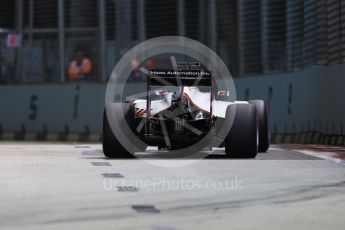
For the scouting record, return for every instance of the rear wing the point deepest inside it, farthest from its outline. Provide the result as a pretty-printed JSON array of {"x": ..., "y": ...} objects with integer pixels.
[
  {"x": 188, "y": 65},
  {"x": 180, "y": 77}
]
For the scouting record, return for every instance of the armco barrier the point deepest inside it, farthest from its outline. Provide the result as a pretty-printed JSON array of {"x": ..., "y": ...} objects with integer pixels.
[{"x": 299, "y": 102}]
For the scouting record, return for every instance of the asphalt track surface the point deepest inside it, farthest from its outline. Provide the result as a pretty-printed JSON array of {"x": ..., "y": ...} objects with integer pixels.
[{"x": 72, "y": 186}]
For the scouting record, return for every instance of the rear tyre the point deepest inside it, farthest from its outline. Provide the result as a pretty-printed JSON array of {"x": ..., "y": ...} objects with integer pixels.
[
  {"x": 264, "y": 133},
  {"x": 112, "y": 148},
  {"x": 242, "y": 139}
]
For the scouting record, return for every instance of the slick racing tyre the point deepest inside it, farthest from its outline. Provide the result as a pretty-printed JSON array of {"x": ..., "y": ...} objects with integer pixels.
[
  {"x": 242, "y": 139},
  {"x": 112, "y": 148},
  {"x": 264, "y": 133}
]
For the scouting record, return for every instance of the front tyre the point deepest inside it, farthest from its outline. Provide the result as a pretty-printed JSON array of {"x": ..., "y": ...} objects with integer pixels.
[{"x": 242, "y": 139}]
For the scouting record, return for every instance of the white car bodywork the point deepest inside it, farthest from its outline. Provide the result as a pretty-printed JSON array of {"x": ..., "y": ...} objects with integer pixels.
[{"x": 195, "y": 98}]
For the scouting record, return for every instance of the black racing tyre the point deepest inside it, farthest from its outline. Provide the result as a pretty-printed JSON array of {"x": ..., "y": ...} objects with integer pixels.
[
  {"x": 242, "y": 139},
  {"x": 264, "y": 132},
  {"x": 112, "y": 148}
]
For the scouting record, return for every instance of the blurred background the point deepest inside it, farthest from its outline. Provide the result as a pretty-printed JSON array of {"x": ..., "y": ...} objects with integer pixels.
[
  {"x": 289, "y": 53},
  {"x": 39, "y": 38}
]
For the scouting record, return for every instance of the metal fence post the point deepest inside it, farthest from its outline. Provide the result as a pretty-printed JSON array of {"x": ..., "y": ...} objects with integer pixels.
[
  {"x": 181, "y": 23},
  {"x": 202, "y": 21},
  {"x": 123, "y": 22},
  {"x": 19, "y": 30},
  {"x": 141, "y": 19},
  {"x": 181, "y": 18},
  {"x": 61, "y": 32},
  {"x": 102, "y": 40},
  {"x": 31, "y": 26},
  {"x": 213, "y": 25},
  {"x": 264, "y": 35},
  {"x": 240, "y": 37}
]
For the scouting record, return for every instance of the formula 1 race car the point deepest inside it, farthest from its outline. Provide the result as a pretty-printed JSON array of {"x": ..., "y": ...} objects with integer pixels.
[{"x": 180, "y": 110}]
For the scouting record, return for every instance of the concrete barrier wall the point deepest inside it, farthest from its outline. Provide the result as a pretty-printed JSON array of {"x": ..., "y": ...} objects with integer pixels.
[
  {"x": 302, "y": 101},
  {"x": 51, "y": 107},
  {"x": 309, "y": 100}
]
